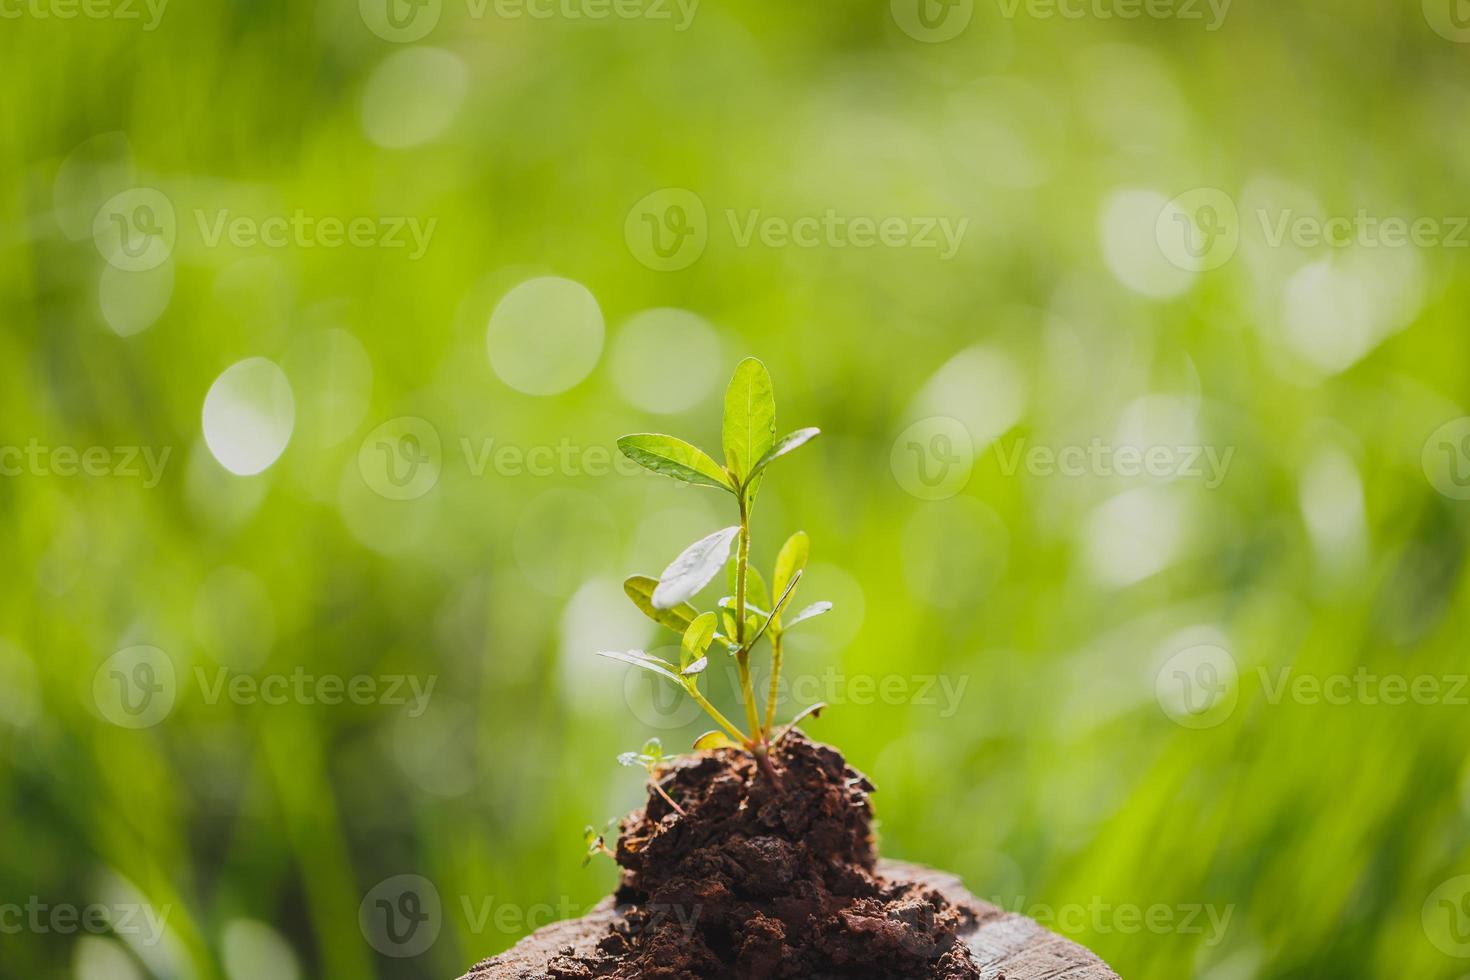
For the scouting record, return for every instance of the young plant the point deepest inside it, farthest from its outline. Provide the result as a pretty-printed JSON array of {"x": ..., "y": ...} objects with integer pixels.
[
  {"x": 752, "y": 611},
  {"x": 651, "y": 758}
]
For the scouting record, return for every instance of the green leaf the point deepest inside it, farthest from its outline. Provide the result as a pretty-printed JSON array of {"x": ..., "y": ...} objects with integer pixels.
[
  {"x": 674, "y": 457},
  {"x": 714, "y": 740},
  {"x": 791, "y": 560},
  {"x": 785, "y": 445},
  {"x": 810, "y": 612},
  {"x": 697, "y": 638},
  {"x": 647, "y": 661},
  {"x": 756, "y": 593},
  {"x": 750, "y": 417},
  {"x": 640, "y": 589},
  {"x": 694, "y": 568},
  {"x": 654, "y": 748}
]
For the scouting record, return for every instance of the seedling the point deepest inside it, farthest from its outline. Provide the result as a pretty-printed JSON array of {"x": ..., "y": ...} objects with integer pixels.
[
  {"x": 596, "y": 844},
  {"x": 752, "y": 611},
  {"x": 651, "y": 758}
]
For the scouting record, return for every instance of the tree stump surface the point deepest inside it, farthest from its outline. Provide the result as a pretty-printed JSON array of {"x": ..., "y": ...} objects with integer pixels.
[{"x": 1005, "y": 945}]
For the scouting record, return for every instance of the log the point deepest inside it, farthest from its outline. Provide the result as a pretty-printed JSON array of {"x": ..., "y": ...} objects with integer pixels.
[{"x": 1005, "y": 945}]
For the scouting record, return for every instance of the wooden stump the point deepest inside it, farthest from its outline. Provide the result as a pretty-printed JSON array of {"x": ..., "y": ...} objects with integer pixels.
[{"x": 1005, "y": 945}]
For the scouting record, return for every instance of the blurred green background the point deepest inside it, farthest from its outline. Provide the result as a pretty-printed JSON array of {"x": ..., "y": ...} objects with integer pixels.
[{"x": 381, "y": 465}]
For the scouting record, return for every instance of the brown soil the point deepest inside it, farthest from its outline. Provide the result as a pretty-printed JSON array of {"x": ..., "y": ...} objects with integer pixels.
[{"x": 762, "y": 881}]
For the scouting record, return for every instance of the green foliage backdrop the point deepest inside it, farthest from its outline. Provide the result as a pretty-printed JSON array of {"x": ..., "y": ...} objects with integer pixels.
[{"x": 1204, "y": 715}]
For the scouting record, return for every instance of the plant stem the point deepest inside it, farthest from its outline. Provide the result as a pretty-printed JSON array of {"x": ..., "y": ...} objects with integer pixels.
[
  {"x": 775, "y": 682},
  {"x": 714, "y": 713},
  {"x": 742, "y": 656},
  {"x": 653, "y": 782}
]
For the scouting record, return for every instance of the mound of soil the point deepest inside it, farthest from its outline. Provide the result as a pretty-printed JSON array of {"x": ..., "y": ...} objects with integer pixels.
[{"x": 762, "y": 880}]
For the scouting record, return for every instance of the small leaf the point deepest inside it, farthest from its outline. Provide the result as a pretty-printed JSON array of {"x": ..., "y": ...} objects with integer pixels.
[
  {"x": 640, "y": 589},
  {"x": 674, "y": 457},
  {"x": 784, "y": 445},
  {"x": 790, "y": 560},
  {"x": 694, "y": 568},
  {"x": 696, "y": 668},
  {"x": 810, "y": 612},
  {"x": 714, "y": 740},
  {"x": 653, "y": 748},
  {"x": 727, "y": 620},
  {"x": 648, "y": 662},
  {"x": 697, "y": 639},
  {"x": 629, "y": 759},
  {"x": 750, "y": 417},
  {"x": 756, "y": 593}
]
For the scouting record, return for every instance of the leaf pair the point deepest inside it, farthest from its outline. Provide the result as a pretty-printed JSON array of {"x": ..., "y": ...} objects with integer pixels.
[
  {"x": 790, "y": 564},
  {"x": 748, "y": 435}
]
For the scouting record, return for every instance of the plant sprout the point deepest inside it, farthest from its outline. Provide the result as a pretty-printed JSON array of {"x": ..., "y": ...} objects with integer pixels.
[
  {"x": 651, "y": 758},
  {"x": 752, "y": 611}
]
